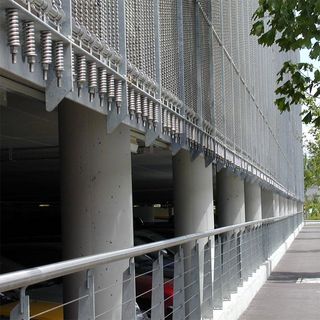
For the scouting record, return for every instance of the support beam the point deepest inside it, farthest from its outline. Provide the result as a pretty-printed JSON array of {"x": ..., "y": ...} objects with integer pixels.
[
  {"x": 253, "y": 208},
  {"x": 96, "y": 197},
  {"x": 230, "y": 199}
]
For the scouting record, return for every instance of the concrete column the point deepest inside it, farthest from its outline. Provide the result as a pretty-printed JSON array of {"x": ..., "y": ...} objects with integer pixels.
[
  {"x": 193, "y": 194},
  {"x": 253, "y": 208},
  {"x": 193, "y": 205},
  {"x": 230, "y": 199},
  {"x": 267, "y": 204},
  {"x": 300, "y": 206},
  {"x": 289, "y": 206},
  {"x": 276, "y": 205},
  {"x": 282, "y": 206},
  {"x": 295, "y": 207},
  {"x": 285, "y": 201},
  {"x": 96, "y": 200}
]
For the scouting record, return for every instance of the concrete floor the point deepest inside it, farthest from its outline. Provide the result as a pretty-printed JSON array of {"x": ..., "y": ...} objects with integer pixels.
[{"x": 293, "y": 289}]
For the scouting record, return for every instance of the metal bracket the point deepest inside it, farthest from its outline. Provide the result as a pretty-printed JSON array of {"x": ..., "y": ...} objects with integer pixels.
[
  {"x": 22, "y": 310},
  {"x": 86, "y": 306},
  {"x": 157, "y": 299},
  {"x": 152, "y": 135},
  {"x": 55, "y": 94},
  {"x": 129, "y": 292},
  {"x": 208, "y": 159}
]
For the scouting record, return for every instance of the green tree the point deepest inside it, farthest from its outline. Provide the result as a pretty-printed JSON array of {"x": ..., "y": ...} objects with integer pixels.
[
  {"x": 312, "y": 173},
  {"x": 293, "y": 25}
]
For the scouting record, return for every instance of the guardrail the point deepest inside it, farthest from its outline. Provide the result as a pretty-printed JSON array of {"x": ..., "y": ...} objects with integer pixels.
[{"x": 182, "y": 278}]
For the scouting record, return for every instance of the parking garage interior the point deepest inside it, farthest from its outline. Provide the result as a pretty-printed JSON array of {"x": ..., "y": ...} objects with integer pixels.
[{"x": 30, "y": 184}]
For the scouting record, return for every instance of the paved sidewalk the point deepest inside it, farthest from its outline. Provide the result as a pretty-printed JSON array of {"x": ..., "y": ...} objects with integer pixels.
[{"x": 292, "y": 291}]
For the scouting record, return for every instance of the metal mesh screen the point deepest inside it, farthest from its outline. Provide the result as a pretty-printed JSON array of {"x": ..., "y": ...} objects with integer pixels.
[
  {"x": 190, "y": 64},
  {"x": 206, "y": 57},
  {"x": 235, "y": 76},
  {"x": 140, "y": 35},
  {"x": 169, "y": 46},
  {"x": 100, "y": 18}
]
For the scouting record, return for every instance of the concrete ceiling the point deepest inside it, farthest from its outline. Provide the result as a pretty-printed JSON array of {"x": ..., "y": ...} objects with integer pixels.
[{"x": 30, "y": 156}]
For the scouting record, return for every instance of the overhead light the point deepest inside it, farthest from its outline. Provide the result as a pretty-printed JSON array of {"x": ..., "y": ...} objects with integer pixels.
[
  {"x": 134, "y": 147},
  {"x": 44, "y": 205}
]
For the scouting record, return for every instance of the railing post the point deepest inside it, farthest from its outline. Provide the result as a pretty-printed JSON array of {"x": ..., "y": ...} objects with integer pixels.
[
  {"x": 192, "y": 294},
  {"x": 207, "y": 304},
  {"x": 178, "y": 285},
  {"x": 225, "y": 267},
  {"x": 217, "y": 284},
  {"x": 233, "y": 264},
  {"x": 129, "y": 292},
  {"x": 86, "y": 306},
  {"x": 157, "y": 298},
  {"x": 22, "y": 310}
]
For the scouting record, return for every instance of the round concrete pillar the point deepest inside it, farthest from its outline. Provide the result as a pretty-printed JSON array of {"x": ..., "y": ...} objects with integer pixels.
[
  {"x": 193, "y": 194},
  {"x": 230, "y": 199},
  {"x": 252, "y": 193},
  {"x": 96, "y": 200},
  {"x": 267, "y": 204},
  {"x": 276, "y": 205},
  {"x": 193, "y": 207},
  {"x": 281, "y": 206}
]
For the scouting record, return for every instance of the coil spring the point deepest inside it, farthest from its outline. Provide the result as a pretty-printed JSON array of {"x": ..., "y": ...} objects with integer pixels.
[
  {"x": 13, "y": 32},
  {"x": 81, "y": 73},
  {"x": 156, "y": 115},
  {"x": 30, "y": 44},
  {"x": 150, "y": 111},
  {"x": 132, "y": 102},
  {"x": 46, "y": 54},
  {"x": 102, "y": 78},
  {"x": 111, "y": 87},
  {"x": 173, "y": 124},
  {"x": 73, "y": 67},
  {"x": 92, "y": 81},
  {"x": 138, "y": 106},
  {"x": 118, "y": 92},
  {"x": 180, "y": 126},
  {"x": 145, "y": 107},
  {"x": 164, "y": 119},
  {"x": 59, "y": 61},
  {"x": 169, "y": 121}
]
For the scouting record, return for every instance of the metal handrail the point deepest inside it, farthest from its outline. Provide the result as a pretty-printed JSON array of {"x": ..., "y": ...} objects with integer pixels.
[{"x": 25, "y": 278}]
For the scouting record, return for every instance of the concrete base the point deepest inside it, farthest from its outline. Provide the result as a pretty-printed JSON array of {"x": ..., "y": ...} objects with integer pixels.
[{"x": 240, "y": 301}]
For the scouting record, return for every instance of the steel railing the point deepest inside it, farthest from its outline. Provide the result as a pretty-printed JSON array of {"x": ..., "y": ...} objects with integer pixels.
[{"x": 204, "y": 269}]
